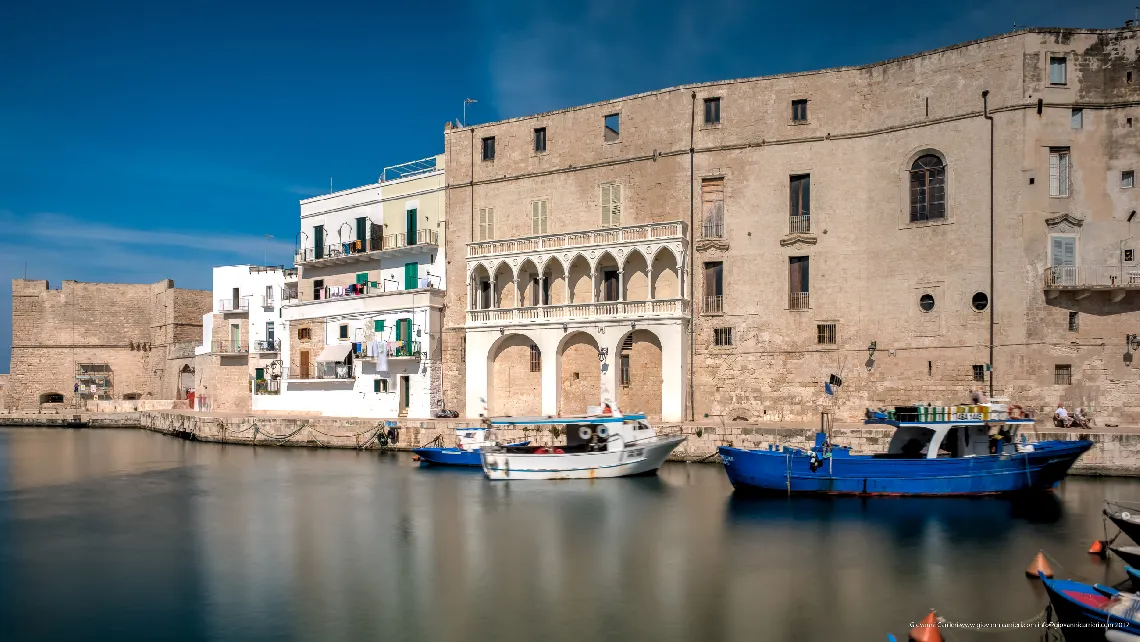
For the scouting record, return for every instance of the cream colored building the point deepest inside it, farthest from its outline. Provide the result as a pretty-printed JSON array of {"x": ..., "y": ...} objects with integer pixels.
[{"x": 721, "y": 250}]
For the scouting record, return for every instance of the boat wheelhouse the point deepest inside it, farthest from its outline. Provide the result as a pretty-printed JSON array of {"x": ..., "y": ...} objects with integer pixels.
[{"x": 595, "y": 446}]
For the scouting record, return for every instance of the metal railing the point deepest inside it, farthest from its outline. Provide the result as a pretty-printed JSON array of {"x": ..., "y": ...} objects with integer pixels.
[
  {"x": 607, "y": 236},
  {"x": 712, "y": 230},
  {"x": 799, "y": 224},
  {"x": 409, "y": 169},
  {"x": 407, "y": 349},
  {"x": 714, "y": 304},
  {"x": 319, "y": 370},
  {"x": 374, "y": 244},
  {"x": 799, "y": 301},
  {"x": 1092, "y": 276},
  {"x": 574, "y": 311},
  {"x": 229, "y": 305},
  {"x": 267, "y": 345},
  {"x": 267, "y": 387},
  {"x": 290, "y": 293},
  {"x": 229, "y": 347},
  {"x": 268, "y": 301}
]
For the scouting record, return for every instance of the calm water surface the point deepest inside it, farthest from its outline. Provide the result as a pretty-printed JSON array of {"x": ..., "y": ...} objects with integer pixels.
[{"x": 129, "y": 535}]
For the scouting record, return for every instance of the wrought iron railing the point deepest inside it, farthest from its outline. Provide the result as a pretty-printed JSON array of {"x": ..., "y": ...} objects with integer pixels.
[
  {"x": 799, "y": 301},
  {"x": 229, "y": 305},
  {"x": 1092, "y": 276},
  {"x": 267, "y": 387},
  {"x": 229, "y": 347},
  {"x": 267, "y": 345},
  {"x": 799, "y": 224},
  {"x": 712, "y": 230},
  {"x": 714, "y": 304}
]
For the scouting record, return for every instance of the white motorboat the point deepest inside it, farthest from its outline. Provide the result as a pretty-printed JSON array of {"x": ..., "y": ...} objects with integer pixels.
[{"x": 596, "y": 446}]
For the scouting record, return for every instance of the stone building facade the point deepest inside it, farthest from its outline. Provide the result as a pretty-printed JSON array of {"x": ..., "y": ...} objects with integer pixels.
[
  {"x": 102, "y": 341},
  {"x": 834, "y": 222}
]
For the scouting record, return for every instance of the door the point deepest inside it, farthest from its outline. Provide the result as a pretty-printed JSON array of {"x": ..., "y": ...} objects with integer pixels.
[
  {"x": 609, "y": 285},
  {"x": 235, "y": 337},
  {"x": 269, "y": 333},
  {"x": 405, "y": 394},
  {"x": 404, "y": 333},
  {"x": 236, "y": 299},
  {"x": 1063, "y": 260},
  {"x": 412, "y": 229},
  {"x": 319, "y": 242},
  {"x": 259, "y": 374},
  {"x": 484, "y": 295},
  {"x": 304, "y": 365},
  {"x": 411, "y": 276}
]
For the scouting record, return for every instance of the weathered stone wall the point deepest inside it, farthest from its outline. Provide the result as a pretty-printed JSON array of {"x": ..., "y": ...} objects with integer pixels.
[
  {"x": 869, "y": 264},
  {"x": 644, "y": 390},
  {"x": 517, "y": 391},
  {"x": 222, "y": 383},
  {"x": 580, "y": 375},
  {"x": 144, "y": 332}
]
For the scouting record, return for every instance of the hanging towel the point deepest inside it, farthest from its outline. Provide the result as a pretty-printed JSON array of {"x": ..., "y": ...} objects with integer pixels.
[{"x": 382, "y": 359}]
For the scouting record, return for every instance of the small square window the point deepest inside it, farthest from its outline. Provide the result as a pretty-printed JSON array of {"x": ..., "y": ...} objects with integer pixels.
[
  {"x": 304, "y": 334},
  {"x": 825, "y": 334},
  {"x": 799, "y": 111},
  {"x": 535, "y": 359},
  {"x": 613, "y": 128},
  {"x": 489, "y": 148},
  {"x": 1127, "y": 178},
  {"x": 1063, "y": 375},
  {"x": 343, "y": 332},
  {"x": 1078, "y": 119},
  {"x": 1128, "y": 77},
  {"x": 540, "y": 140},
  {"x": 979, "y": 372},
  {"x": 380, "y": 385},
  {"x": 1128, "y": 122},
  {"x": 712, "y": 111},
  {"x": 722, "y": 336},
  {"x": 1074, "y": 321},
  {"x": 1057, "y": 70}
]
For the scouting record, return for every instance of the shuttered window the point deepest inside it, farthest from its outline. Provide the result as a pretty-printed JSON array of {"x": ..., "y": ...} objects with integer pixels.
[
  {"x": 712, "y": 208},
  {"x": 611, "y": 205},
  {"x": 486, "y": 224},
  {"x": 1064, "y": 251},
  {"x": 411, "y": 276},
  {"x": 538, "y": 212},
  {"x": 1059, "y": 171}
]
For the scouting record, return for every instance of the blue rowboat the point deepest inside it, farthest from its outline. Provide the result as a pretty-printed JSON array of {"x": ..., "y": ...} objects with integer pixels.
[
  {"x": 470, "y": 442},
  {"x": 1133, "y": 574},
  {"x": 1095, "y": 612},
  {"x": 947, "y": 456}
]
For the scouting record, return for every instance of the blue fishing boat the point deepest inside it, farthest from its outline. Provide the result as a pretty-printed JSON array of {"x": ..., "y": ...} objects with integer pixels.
[
  {"x": 958, "y": 450},
  {"x": 1133, "y": 574},
  {"x": 1093, "y": 612},
  {"x": 467, "y": 451}
]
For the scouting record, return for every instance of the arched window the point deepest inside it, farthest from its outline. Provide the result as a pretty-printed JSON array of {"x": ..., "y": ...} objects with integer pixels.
[{"x": 927, "y": 189}]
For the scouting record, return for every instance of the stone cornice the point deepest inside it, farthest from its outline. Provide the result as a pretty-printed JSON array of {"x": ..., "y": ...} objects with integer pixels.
[{"x": 798, "y": 239}]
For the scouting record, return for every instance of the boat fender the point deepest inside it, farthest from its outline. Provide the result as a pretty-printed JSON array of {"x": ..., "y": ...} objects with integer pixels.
[
  {"x": 584, "y": 432},
  {"x": 559, "y": 451},
  {"x": 541, "y": 451},
  {"x": 1126, "y": 515},
  {"x": 814, "y": 464},
  {"x": 603, "y": 432}
]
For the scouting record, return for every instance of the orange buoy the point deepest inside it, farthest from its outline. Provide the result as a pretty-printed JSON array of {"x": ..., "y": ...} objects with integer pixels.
[
  {"x": 415, "y": 457},
  {"x": 926, "y": 630},
  {"x": 1097, "y": 547},
  {"x": 1039, "y": 564}
]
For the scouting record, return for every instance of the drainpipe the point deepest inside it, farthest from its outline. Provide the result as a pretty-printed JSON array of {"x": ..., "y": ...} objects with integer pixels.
[
  {"x": 692, "y": 256},
  {"x": 993, "y": 298}
]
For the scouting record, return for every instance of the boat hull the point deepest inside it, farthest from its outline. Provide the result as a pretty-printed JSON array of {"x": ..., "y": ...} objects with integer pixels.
[
  {"x": 1130, "y": 527},
  {"x": 1076, "y": 605},
  {"x": 639, "y": 458},
  {"x": 790, "y": 472},
  {"x": 453, "y": 456}
]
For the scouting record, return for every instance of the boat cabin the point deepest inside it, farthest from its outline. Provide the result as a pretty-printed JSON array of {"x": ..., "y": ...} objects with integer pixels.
[
  {"x": 587, "y": 433},
  {"x": 942, "y": 440}
]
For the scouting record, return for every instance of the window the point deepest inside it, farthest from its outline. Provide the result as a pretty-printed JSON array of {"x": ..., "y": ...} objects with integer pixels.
[
  {"x": 540, "y": 140},
  {"x": 362, "y": 229},
  {"x": 980, "y": 301},
  {"x": 613, "y": 128},
  {"x": 1074, "y": 322},
  {"x": 535, "y": 359},
  {"x": 1078, "y": 119},
  {"x": 1128, "y": 77},
  {"x": 379, "y": 385},
  {"x": 609, "y": 285},
  {"x": 1062, "y": 374},
  {"x": 1129, "y": 122},
  {"x": 800, "y": 204},
  {"x": 798, "y": 283},
  {"x": 712, "y": 111},
  {"x": 411, "y": 225},
  {"x": 927, "y": 189},
  {"x": 318, "y": 289},
  {"x": 486, "y": 224},
  {"x": 411, "y": 276},
  {"x": 268, "y": 295},
  {"x": 611, "y": 205},
  {"x": 626, "y": 380},
  {"x": 825, "y": 334},
  {"x": 1059, "y": 170},
  {"x": 1057, "y": 70},
  {"x": 799, "y": 111},
  {"x": 484, "y": 295},
  {"x": 722, "y": 336},
  {"x": 269, "y": 331},
  {"x": 538, "y": 212},
  {"x": 926, "y": 302},
  {"x": 489, "y": 148},
  {"x": 979, "y": 372},
  {"x": 1127, "y": 178},
  {"x": 714, "y": 287},
  {"x": 304, "y": 334},
  {"x": 377, "y": 325},
  {"x": 343, "y": 332},
  {"x": 318, "y": 242},
  {"x": 712, "y": 206}
]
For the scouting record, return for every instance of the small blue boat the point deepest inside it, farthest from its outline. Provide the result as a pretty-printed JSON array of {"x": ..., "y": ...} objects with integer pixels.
[
  {"x": 1093, "y": 612},
  {"x": 469, "y": 442},
  {"x": 933, "y": 452},
  {"x": 1133, "y": 574}
]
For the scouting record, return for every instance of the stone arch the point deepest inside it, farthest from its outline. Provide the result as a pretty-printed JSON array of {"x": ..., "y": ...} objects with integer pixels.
[
  {"x": 580, "y": 373},
  {"x": 607, "y": 265},
  {"x": 638, "y": 366},
  {"x": 514, "y": 387},
  {"x": 666, "y": 279},
  {"x": 635, "y": 272},
  {"x": 555, "y": 284},
  {"x": 527, "y": 275},
  {"x": 482, "y": 288},
  {"x": 578, "y": 280},
  {"x": 503, "y": 286},
  {"x": 51, "y": 397}
]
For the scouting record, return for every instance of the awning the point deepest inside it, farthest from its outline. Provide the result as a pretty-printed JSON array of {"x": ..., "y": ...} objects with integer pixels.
[{"x": 335, "y": 352}]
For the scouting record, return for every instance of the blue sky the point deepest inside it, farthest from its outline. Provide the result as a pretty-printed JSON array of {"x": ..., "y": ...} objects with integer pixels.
[{"x": 150, "y": 140}]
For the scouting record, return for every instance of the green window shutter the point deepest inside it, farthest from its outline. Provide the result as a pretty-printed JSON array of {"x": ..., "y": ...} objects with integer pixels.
[
  {"x": 378, "y": 325},
  {"x": 259, "y": 374},
  {"x": 411, "y": 276},
  {"x": 400, "y": 329},
  {"x": 362, "y": 277}
]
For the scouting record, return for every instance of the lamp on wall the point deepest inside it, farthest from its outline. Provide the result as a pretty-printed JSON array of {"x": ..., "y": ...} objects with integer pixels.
[
  {"x": 1132, "y": 342},
  {"x": 602, "y": 354},
  {"x": 564, "y": 327}
]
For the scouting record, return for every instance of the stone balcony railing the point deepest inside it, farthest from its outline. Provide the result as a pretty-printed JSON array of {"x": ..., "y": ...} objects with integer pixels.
[
  {"x": 1085, "y": 279},
  {"x": 605, "y": 310},
  {"x": 608, "y": 236}
]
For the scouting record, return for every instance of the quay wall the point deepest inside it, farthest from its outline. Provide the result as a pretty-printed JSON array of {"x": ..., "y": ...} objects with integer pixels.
[{"x": 1113, "y": 453}]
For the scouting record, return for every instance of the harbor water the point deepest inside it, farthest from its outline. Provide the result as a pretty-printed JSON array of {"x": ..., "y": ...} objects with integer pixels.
[{"x": 119, "y": 534}]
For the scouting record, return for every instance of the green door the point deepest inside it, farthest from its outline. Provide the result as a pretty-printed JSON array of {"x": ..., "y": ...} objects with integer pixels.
[
  {"x": 412, "y": 229},
  {"x": 319, "y": 242},
  {"x": 411, "y": 276},
  {"x": 259, "y": 374}
]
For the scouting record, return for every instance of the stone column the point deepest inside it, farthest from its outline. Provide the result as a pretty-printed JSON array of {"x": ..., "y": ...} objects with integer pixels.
[
  {"x": 593, "y": 287},
  {"x": 621, "y": 284},
  {"x": 518, "y": 293}
]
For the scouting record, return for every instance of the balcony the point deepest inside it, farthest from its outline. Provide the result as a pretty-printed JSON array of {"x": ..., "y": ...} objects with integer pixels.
[
  {"x": 799, "y": 301},
  {"x": 267, "y": 302},
  {"x": 267, "y": 346},
  {"x": 289, "y": 293},
  {"x": 1083, "y": 280},
  {"x": 408, "y": 349},
  {"x": 389, "y": 245},
  {"x": 799, "y": 224},
  {"x": 712, "y": 230},
  {"x": 267, "y": 387},
  {"x": 607, "y": 310},
  {"x": 713, "y": 305},
  {"x": 609, "y": 236},
  {"x": 373, "y": 300},
  {"x": 229, "y": 347},
  {"x": 231, "y": 306},
  {"x": 320, "y": 371}
]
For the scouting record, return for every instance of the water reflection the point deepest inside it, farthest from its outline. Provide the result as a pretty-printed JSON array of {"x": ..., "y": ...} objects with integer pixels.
[{"x": 135, "y": 535}]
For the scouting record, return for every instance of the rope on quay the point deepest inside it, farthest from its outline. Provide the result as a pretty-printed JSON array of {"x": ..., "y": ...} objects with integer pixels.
[{"x": 702, "y": 460}]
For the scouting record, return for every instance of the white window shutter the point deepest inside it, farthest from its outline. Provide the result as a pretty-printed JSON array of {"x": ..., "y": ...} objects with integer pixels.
[
  {"x": 615, "y": 205},
  {"x": 490, "y": 223},
  {"x": 606, "y": 205},
  {"x": 535, "y": 221},
  {"x": 543, "y": 217},
  {"x": 1063, "y": 159},
  {"x": 1054, "y": 174}
]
